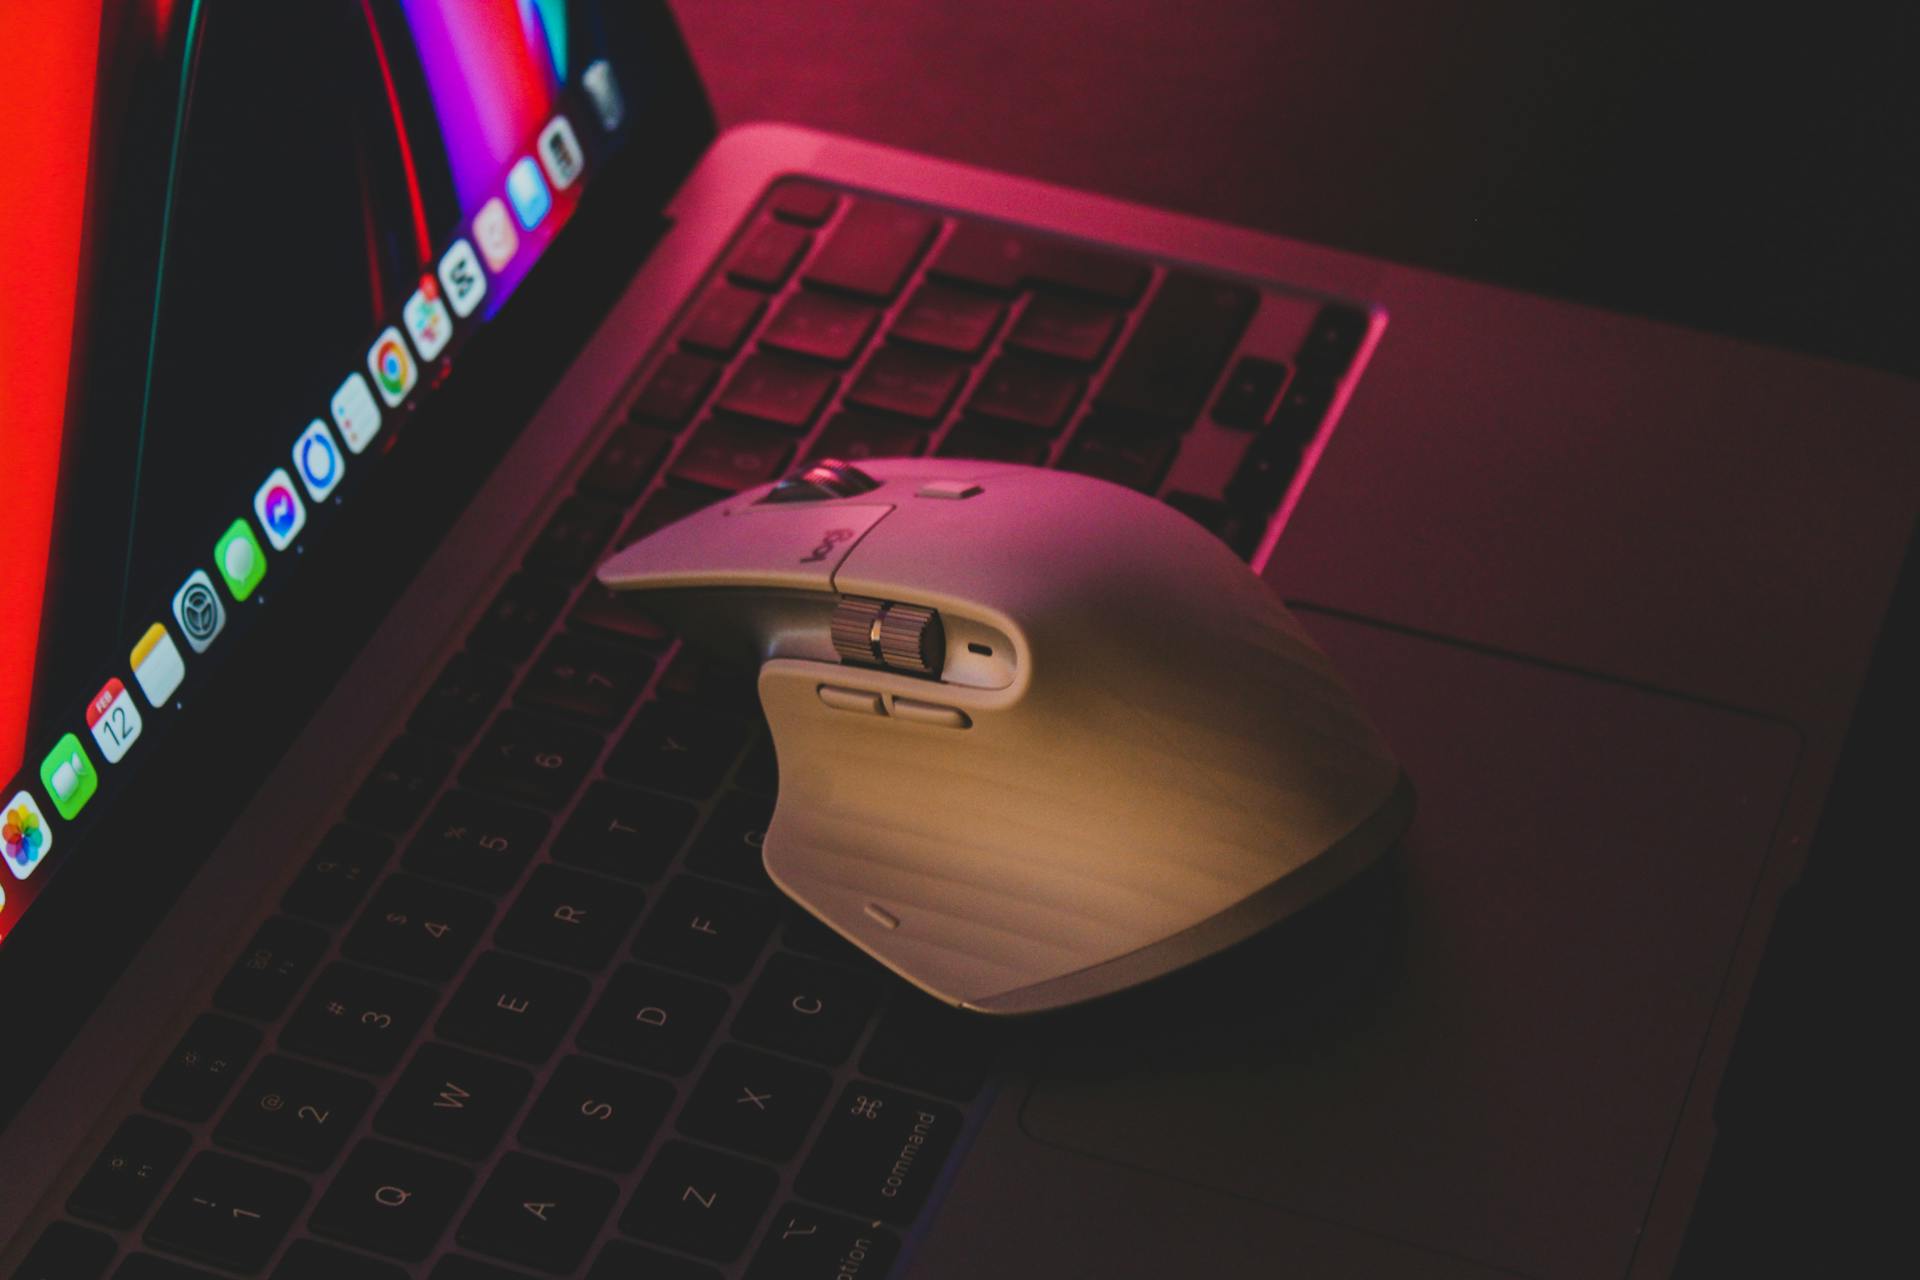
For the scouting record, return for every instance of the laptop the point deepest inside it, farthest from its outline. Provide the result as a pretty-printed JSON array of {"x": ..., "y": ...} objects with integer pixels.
[{"x": 382, "y": 896}]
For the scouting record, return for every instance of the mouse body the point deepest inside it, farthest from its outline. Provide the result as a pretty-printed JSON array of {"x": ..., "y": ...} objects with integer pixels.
[{"x": 1040, "y": 738}]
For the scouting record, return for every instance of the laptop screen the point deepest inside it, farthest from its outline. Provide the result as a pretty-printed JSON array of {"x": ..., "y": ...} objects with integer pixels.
[{"x": 298, "y": 216}]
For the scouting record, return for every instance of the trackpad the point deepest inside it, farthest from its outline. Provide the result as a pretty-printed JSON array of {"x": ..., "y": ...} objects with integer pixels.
[{"x": 1484, "y": 1048}]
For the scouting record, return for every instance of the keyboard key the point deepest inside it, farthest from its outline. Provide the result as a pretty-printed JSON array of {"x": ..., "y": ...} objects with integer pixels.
[
  {"x": 311, "y": 1260},
  {"x": 456, "y": 1267},
  {"x": 125, "y": 1177},
  {"x": 675, "y": 745},
  {"x": 950, "y": 319},
  {"x": 786, "y": 393},
  {"x": 538, "y": 1214},
  {"x": 1177, "y": 351},
  {"x": 1238, "y": 530},
  {"x": 851, "y": 437},
  {"x": 623, "y": 1261},
  {"x": 67, "y": 1252},
  {"x": 911, "y": 383},
  {"x": 1251, "y": 391},
  {"x": 729, "y": 845},
  {"x": 569, "y": 917},
  {"x": 660, "y": 1021},
  {"x": 391, "y": 1200},
  {"x": 586, "y": 679},
  {"x": 731, "y": 456},
  {"x": 1334, "y": 339},
  {"x": 624, "y": 832},
  {"x": 203, "y": 1067},
  {"x": 994, "y": 444},
  {"x": 804, "y": 933},
  {"x": 754, "y": 1103},
  {"x": 1065, "y": 329},
  {"x": 1136, "y": 461},
  {"x": 532, "y": 759},
  {"x": 627, "y": 462},
  {"x": 453, "y": 1101},
  {"x": 1028, "y": 394},
  {"x": 711, "y": 684},
  {"x": 518, "y": 617},
  {"x": 358, "y": 1019},
  {"x": 270, "y": 972},
  {"x": 145, "y": 1266},
  {"x": 768, "y": 256},
  {"x": 1265, "y": 471},
  {"x": 409, "y": 772},
  {"x": 476, "y": 841},
  {"x": 990, "y": 257},
  {"x": 807, "y": 1009},
  {"x": 1301, "y": 409},
  {"x": 513, "y": 1007},
  {"x": 873, "y": 249},
  {"x": 722, "y": 319},
  {"x": 460, "y": 700},
  {"x": 880, "y": 1153},
  {"x": 575, "y": 535},
  {"x": 932, "y": 1048},
  {"x": 821, "y": 326},
  {"x": 617, "y": 616},
  {"x": 760, "y": 771},
  {"x": 228, "y": 1212},
  {"x": 294, "y": 1113},
  {"x": 674, "y": 391},
  {"x": 338, "y": 875},
  {"x": 418, "y": 928},
  {"x": 699, "y": 1201},
  {"x": 598, "y": 1114},
  {"x": 805, "y": 1244},
  {"x": 807, "y": 203},
  {"x": 706, "y": 929}
]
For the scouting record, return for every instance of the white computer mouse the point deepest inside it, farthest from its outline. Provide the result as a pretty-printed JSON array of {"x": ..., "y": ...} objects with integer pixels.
[{"x": 1040, "y": 738}]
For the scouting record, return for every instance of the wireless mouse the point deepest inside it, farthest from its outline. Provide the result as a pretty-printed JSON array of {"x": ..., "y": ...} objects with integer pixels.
[{"x": 1040, "y": 738}]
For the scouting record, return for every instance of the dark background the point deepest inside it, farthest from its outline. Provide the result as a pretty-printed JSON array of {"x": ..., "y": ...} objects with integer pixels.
[{"x": 1751, "y": 172}]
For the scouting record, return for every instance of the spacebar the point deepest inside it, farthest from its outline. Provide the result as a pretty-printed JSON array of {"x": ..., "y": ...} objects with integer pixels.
[{"x": 1181, "y": 345}]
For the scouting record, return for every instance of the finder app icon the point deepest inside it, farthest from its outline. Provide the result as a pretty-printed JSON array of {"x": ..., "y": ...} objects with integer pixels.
[
  {"x": 532, "y": 202},
  {"x": 197, "y": 608},
  {"x": 279, "y": 509}
]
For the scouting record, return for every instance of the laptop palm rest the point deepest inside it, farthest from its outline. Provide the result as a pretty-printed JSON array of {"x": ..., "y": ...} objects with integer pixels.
[{"x": 1482, "y": 1049}]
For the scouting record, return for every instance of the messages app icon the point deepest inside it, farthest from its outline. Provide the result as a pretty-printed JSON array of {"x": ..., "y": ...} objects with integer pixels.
[{"x": 240, "y": 559}]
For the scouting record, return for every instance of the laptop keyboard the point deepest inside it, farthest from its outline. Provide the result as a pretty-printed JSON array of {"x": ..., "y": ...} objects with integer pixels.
[{"x": 533, "y": 1004}]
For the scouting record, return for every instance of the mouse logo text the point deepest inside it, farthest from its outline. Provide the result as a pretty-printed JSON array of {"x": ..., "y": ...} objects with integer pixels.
[{"x": 828, "y": 541}]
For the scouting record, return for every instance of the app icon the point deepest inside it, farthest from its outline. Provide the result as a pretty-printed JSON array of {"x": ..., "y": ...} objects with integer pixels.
[
  {"x": 24, "y": 837},
  {"x": 68, "y": 776},
  {"x": 559, "y": 154},
  {"x": 318, "y": 460},
  {"x": 196, "y": 607},
  {"x": 157, "y": 665},
  {"x": 393, "y": 369},
  {"x": 355, "y": 413},
  {"x": 426, "y": 319},
  {"x": 279, "y": 509},
  {"x": 239, "y": 558},
  {"x": 461, "y": 277},
  {"x": 494, "y": 230},
  {"x": 605, "y": 91},
  {"x": 528, "y": 192},
  {"x": 114, "y": 720}
]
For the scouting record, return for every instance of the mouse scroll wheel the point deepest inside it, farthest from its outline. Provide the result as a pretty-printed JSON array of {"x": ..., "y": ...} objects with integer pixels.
[
  {"x": 883, "y": 633},
  {"x": 825, "y": 479}
]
